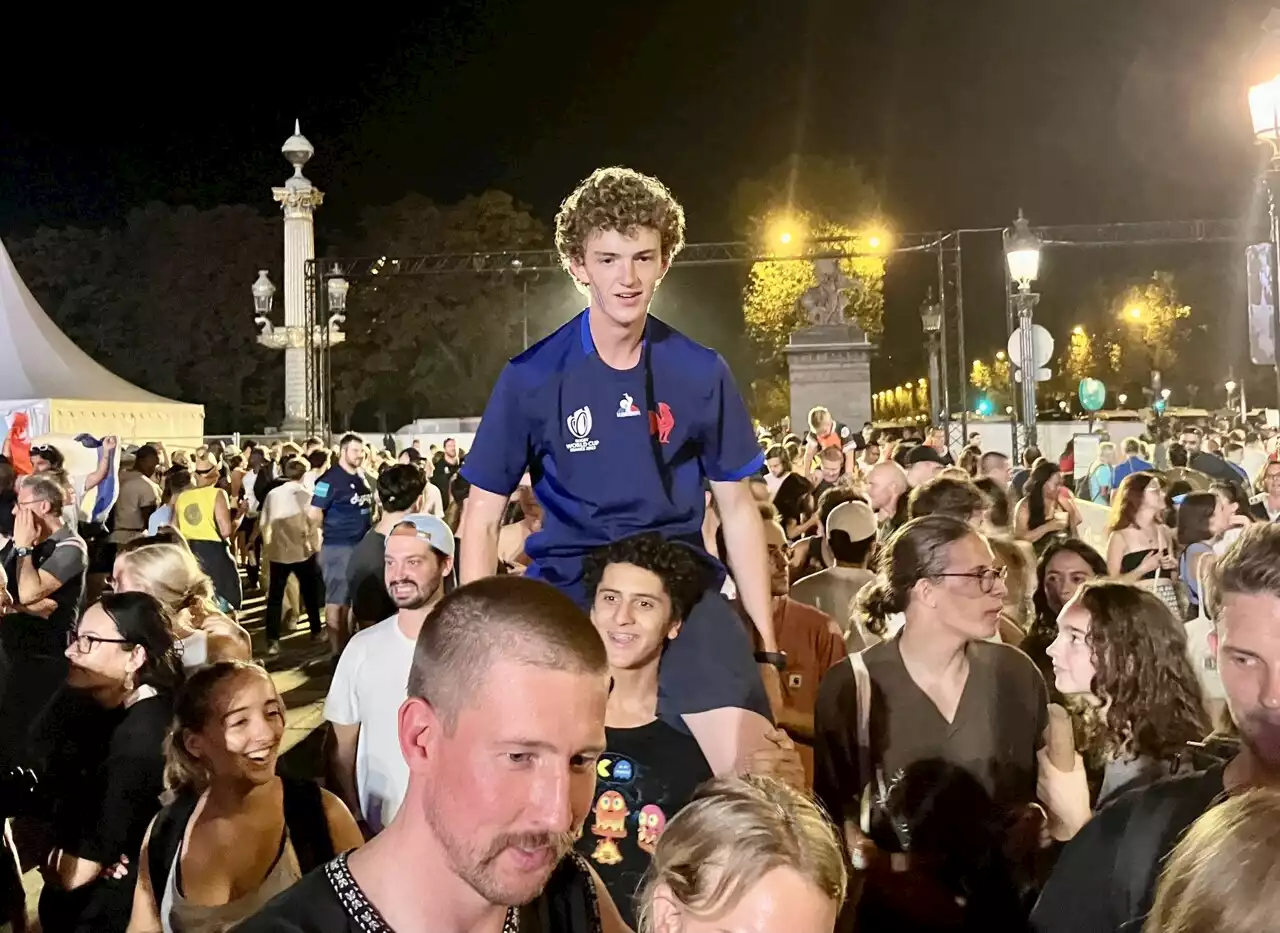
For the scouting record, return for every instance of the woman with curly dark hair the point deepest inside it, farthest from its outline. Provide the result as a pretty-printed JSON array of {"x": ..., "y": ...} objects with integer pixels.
[
  {"x": 1046, "y": 512},
  {"x": 1064, "y": 567},
  {"x": 1123, "y": 656}
]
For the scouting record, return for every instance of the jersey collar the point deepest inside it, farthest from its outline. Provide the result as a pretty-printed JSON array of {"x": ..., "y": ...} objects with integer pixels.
[{"x": 584, "y": 330}]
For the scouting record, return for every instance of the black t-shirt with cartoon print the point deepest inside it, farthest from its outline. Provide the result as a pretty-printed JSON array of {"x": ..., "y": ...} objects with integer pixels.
[{"x": 646, "y": 776}]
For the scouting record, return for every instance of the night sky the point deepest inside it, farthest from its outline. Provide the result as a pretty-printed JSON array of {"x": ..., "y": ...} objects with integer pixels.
[{"x": 1085, "y": 111}]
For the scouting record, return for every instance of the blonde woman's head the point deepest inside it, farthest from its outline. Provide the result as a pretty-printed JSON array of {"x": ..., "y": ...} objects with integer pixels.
[
  {"x": 169, "y": 572},
  {"x": 1224, "y": 876},
  {"x": 749, "y": 853}
]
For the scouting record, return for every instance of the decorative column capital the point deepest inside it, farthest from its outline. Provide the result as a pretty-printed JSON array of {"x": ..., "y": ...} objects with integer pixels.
[{"x": 298, "y": 201}]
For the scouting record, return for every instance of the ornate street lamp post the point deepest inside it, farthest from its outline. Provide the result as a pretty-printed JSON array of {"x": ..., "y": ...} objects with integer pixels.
[
  {"x": 1264, "y": 108},
  {"x": 307, "y": 334},
  {"x": 931, "y": 321},
  {"x": 1022, "y": 253}
]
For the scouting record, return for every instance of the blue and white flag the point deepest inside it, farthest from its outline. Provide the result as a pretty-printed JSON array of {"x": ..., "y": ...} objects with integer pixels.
[{"x": 108, "y": 490}]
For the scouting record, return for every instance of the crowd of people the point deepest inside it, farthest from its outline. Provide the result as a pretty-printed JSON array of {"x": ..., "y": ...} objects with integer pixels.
[{"x": 629, "y": 663}]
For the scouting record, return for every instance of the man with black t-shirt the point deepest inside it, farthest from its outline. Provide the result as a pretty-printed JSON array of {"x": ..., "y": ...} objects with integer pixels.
[
  {"x": 502, "y": 731},
  {"x": 1105, "y": 880}
]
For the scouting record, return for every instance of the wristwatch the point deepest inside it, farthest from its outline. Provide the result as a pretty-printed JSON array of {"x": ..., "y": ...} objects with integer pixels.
[
  {"x": 777, "y": 658},
  {"x": 23, "y": 551}
]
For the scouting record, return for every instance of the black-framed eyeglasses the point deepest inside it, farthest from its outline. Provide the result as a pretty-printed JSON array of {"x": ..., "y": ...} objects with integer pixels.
[
  {"x": 986, "y": 577},
  {"x": 85, "y": 643}
]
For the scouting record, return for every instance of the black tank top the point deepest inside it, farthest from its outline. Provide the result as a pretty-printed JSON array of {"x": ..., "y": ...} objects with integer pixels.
[
  {"x": 1133, "y": 560},
  {"x": 646, "y": 776}
]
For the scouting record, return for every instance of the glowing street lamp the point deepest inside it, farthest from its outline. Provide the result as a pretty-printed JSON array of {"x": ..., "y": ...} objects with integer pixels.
[
  {"x": 1078, "y": 331},
  {"x": 1122, "y": 399},
  {"x": 784, "y": 237},
  {"x": 1165, "y": 393},
  {"x": 1022, "y": 253},
  {"x": 1000, "y": 356},
  {"x": 1133, "y": 313}
]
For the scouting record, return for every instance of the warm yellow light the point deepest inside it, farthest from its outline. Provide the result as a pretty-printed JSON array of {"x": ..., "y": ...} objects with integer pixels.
[
  {"x": 874, "y": 242},
  {"x": 1000, "y": 356},
  {"x": 1264, "y": 107},
  {"x": 784, "y": 237},
  {"x": 1078, "y": 330},
  {"x": 1134, "y": 312},
  {"x": 923, "y": 383}
]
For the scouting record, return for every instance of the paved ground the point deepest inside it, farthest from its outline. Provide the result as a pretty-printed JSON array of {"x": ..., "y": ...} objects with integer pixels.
[{"x": 301, "y": 674}]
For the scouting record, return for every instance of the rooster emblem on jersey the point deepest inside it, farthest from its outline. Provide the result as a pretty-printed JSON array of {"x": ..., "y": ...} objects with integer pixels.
[{"x": 661, "y": 422}]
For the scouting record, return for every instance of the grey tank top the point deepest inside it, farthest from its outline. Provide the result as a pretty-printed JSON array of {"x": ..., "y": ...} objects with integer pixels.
[{"x": 179, "y": 916}]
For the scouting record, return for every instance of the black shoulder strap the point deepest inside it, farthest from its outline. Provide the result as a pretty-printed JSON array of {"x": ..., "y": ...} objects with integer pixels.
[
  {"x": 166, "y": 837},
  {"x": 305, "y": 819},
  {"x": 1155, "y": 826}
]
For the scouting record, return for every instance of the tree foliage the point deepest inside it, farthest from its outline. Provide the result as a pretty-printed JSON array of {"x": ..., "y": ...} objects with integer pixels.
[
  {"x": 164, "y": 302},
  {"x": 1151, "y": 334},
  {"x": 808, "y": 197},
  {"x": 434, "y": 345},
  {"x": 1078, "y": 362},
  {"x": 993, "y": 380}
]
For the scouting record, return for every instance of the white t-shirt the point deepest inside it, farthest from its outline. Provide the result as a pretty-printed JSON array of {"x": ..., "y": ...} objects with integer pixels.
[
  {"x": 368, "y": 687},
  {"x": 432, "y": 501}
]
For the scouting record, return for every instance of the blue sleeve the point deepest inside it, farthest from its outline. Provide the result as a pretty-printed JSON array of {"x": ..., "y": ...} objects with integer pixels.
[
  {"x": 322, "y": 498},
  {"x": 710, "y": 666},
  {"x": 500, "y": 453},
  {"x": 730, "y": 450}
]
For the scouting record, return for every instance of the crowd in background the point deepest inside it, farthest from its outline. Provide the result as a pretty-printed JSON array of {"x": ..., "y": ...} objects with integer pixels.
[{"x": 962, "y": 776}]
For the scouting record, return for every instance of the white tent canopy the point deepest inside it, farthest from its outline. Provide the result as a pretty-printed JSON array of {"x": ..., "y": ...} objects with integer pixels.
[{"x": 64, "y": 391}]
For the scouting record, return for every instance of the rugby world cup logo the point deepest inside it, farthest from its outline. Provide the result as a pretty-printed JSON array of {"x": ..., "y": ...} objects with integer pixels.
[{"x": 580, "y": 423}]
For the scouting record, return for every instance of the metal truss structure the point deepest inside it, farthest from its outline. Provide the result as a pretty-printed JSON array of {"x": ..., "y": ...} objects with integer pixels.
[{"x": 945, "y": 246}]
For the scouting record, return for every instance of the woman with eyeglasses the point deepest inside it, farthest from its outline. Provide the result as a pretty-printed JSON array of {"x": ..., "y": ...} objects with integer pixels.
[
  {"x": 926, "y": 743},
  {"x": 104, "y": 776},
  {"x": 203, "y": 516}
]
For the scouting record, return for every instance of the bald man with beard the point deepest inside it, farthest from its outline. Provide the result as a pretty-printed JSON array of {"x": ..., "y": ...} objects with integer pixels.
[{"x": 887, "y": 489}]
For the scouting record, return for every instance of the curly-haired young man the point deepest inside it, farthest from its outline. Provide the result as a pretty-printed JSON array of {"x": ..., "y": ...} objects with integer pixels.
[{"x": 619, "y": 420}]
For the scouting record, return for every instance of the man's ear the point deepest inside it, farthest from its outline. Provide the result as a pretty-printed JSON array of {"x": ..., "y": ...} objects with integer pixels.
[{"x": 419, "y": 728}]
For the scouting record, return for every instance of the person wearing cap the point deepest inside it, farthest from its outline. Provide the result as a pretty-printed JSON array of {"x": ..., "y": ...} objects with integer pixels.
[
  {"x": 923, "y": 463},
  {"x": 850, "y": 538},
  {"x": 372, "y": 676},
  {"x": 139, "y": 496}
]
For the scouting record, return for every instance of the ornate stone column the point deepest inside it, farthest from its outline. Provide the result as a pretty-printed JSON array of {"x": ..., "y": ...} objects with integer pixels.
[{"x": 298, "y": 199}]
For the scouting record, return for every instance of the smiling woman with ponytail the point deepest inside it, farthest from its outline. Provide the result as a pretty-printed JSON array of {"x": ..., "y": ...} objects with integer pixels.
[{"x": 221, "y": 785}]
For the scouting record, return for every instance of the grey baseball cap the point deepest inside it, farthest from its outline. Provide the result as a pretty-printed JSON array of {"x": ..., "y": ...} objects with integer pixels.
[{"x": 432, "y": 530}]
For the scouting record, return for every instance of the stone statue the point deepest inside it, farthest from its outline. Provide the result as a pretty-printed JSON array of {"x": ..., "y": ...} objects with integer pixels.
[
  {"x": 826, "y": 301},
  {"x": 268, "y": 329}
]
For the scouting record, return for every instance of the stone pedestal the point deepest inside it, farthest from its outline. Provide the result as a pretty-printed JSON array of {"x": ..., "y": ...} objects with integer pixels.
[{"x": 830, "y": 365}]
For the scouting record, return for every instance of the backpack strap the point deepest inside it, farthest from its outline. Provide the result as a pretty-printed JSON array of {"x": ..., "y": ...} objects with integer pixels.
[
  {"x": 865, "y": 765},
  {"x": 1156, "y": 825},
  {"x": 167, "y": 830},
  {"x": 305, "y": 819},
  {"x": 862, "y": 681}
]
